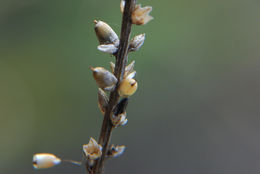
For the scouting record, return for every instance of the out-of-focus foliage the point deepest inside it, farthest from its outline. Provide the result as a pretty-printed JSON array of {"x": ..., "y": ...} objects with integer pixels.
[{"x": 196, "y": 109}]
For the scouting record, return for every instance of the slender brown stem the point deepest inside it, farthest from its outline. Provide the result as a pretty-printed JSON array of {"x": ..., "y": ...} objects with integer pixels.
[{"x": 121, "y": 61}]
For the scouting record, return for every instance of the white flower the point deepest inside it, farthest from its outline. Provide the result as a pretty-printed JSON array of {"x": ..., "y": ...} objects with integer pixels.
[
  {"x": 92, "y": 150},
  {"x": 45, "y": 160}
]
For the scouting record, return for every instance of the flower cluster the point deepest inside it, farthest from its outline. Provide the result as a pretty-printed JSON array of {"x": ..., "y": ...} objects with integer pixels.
[{"x": 123, "y": 85}]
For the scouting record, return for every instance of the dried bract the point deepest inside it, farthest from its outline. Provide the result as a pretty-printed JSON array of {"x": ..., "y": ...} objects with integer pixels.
[
  {"x": 116, "y": 151},
  {"x": 45, "y": 160},
  {"x": 104, "y": 79},
  {"x": 119, "y": 120},
  {"x": 137, "y": 42},
  {"x": 109, "y": 48},
  {"x": 92, "y": 150},
  {"x": 140, "y": 15},
  {"x": 102, "y": 100},
  {"x": 105, "y": 33}
]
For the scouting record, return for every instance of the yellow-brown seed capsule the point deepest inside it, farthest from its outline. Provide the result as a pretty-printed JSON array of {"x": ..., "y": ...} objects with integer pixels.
[
  {"x": 45, "y": 160},
  {"x": 105, "y": 33},
  {"x": 104, "y": 79},
  {"x": 127, "y": 87}
]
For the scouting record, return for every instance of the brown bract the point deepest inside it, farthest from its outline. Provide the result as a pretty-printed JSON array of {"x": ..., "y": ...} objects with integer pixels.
[
  {"x": 141, "y": 16},
  {"x": 92, "y": 150}
]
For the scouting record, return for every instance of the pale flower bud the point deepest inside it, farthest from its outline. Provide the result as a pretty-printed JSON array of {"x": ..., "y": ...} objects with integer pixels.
[
  {"x": 127, "y": 87},
  {"x": 104, "y": 79},
  {"x": 102, "y": 100},
  {"x": 105, "y": 33},
  {"x": 137, "y": 42},
  {"x": 109, "y": 48},
  {"x": 92, "y": 150},
  {"x": 116, "y": 151},
  {"x": 45, "y": 160}
]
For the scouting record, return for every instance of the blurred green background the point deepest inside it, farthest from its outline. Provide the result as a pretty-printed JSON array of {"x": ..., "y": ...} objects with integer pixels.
[{"x": 197, "y": 107}]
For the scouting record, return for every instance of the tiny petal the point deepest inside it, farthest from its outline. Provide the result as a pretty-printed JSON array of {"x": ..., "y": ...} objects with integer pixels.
[
  {"x": 102, "y": 100},
  {"x": 122, "y": 6},
  {"x": 92, "y": 150},
  {"x": 141, "y": 16},
  {"x": 104, "y": 79},
  {"x": 116, "y": 151},
  {"x": 131, "y": 75},
  {"x": 112, "y": 67},
  {"x": 109, "y": 48},
  {"x": 127, "y": 87},
  {"x": 129, "y": 68},
  {"x": 105, "y": 33},
  {"x": 45, "y": 160},
  {"x": 137, "y": 42}
]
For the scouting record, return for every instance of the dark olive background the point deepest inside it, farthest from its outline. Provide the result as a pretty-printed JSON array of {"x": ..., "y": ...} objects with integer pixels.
[{"x": 197, "y": 107}]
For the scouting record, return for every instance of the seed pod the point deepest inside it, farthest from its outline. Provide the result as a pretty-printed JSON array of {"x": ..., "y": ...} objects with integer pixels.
[
  {"x": 104, "y": 79},
  {"x": 45, "y": 160},
  {"x": 137, "y": 42},
  {"x": 102, "y": 100},
  {"x": 109, "y": 48},
  {"x": 105, "y": 33},
  {"x": 127, "y": 87},
  {"x": 116, "y": 151}
]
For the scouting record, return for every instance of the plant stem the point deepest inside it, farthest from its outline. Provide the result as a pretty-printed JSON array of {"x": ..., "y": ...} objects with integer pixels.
[{"x": 121, "y": 61}]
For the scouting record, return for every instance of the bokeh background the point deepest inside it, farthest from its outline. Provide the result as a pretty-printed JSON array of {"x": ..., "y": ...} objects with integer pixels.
[{"x": 197, "y": 107}]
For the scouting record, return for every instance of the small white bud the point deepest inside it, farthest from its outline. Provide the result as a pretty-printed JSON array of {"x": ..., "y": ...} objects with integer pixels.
[
  {"x": 116, "y": 151},
  {"x": 109, "y": 48},
  {"x": 127, "y": 87},
  {"x": 45, "y": 160},
  {"x": 137, "y": 42},
  {"x": 102, "y": 100},
  {"x": 105, "y": 33},
  {"x": 104, "y": 79},
  {"x": 92, "y": 150}
]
